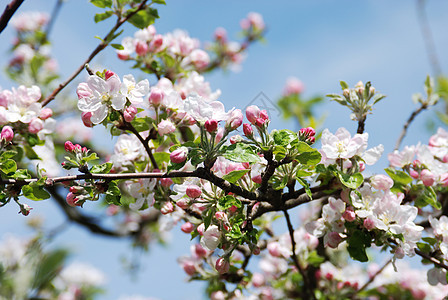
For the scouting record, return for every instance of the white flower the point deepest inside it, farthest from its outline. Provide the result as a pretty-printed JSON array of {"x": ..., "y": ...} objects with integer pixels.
[
  {"x": 103, "y": 94},
  {"x": 135, "y": 91},
  {"x": 201, "y": 110},
  {"x": 127, "y": 150},
  {"x": 211, "y": 238},
  {"x": 80, "y": 274}
]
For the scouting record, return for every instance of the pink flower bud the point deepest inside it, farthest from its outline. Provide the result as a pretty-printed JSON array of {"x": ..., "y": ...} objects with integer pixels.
[
  {"x": 189, "y": 267},
  {"x": 247, "y": 129},
  {"x": 25, "y": 209},
  {"x": 222, "y": 265},
  {"x": 129, "y": 113},
  {"x": 45, "y": 113},
  {"x": 349, "y": 214},
  {"x": 264, "y": 115},
  {"x": 233, "y": 209},
  {"x": 69, "y": 147},
  {"x": 200, "y": 251},
  {"x": 274, "y": 249},
  {"x": 258, "y": 279},
  {"x": 308, "y": 131},
  {"x": 187, "y": 227},
  {"x": 183, "y": 203},
  {"x": 329, "y": 276},
  {"x": 362, "y": 166},
  {"x": 78, "y": 148},
  {"x": 259, "y": 122},
  {"x": 7, "y": 133},
  {"x": 123, "y": 54},
  {"x": 166, "y": 182},
  {"x": 427, "y": 177},
  {"x": 156, "y": 96},
  {"x": 85, "y": 116},
  {"x": 141, "y": 48},
  {"x": 235, "y": 120},
  {"x": 414, "y": 174},
  {"x": 252, "y": 113},
  {"x": 334, "y": 239},
  {"x": 156, "y": 43},
  {"x": 165, "y": 127},
  {"x": 72, "y": 200},
  {"x": 193, "y": 191},
  {"x": 369, "y": 224},
  {"x": 167, "y": 208},
  {"x": 220, "y": 34},
  {"x": 108, "y": 74},
  {"x": 211, "y": 125},
  {"x": 293, "y": 86},
  {"x": 257, "y": 179},
  {"x": 381, "y": 182},
  {"x": 179, "y": 155},
  {"x": 445, "y": 158},
  {"x": 35, "y": 125},
  {"x": 444, "y": 179}
]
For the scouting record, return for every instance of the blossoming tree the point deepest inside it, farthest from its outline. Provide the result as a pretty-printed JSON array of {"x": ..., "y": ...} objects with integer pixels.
[{"x": 181, "y": 158}]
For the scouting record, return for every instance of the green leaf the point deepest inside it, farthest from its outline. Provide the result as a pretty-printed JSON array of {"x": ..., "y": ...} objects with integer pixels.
[
  {"x": 315, "y": 259},
  {"x": 343, "y": 84},
  {"x": 430, "y": 240},
  {"x": 8, "y": 166},
  {"x": 161, "y": 157},
  {"x": 8, "y": 154},
  {"x": 398, "y": 176},
  {"x": 113, "y": 194},
  {"x": 103, "y": 16},
  {"x": 35, "y": 192},
  {"x": 140, "y": 124},
  {"x": 102, "y": 3},
  {"x": 117, "y": 46},
  {"x": 101, "y": 169},
  {"x": 227, "y": 202},
  {"x": 48, "y": 268},
  {"x": 91, "y": 157},
  {"x": 306, "y": 186},
  {"x": 424, "y": 247},
  {"x": 240, "y": 152},
  {"x": 308, "y": 156},
  {"x": 144, "y": 18},
  {"x": 21, "y": 174},
  {"x": 357, "y": 244},
  {"x": 283, "y": 137},
  {"x": 159, "y": 1},
  {"x": 351, "y": 181},
  {"x": 234, "y": 176},
  {"x": 30, "y": 153}
]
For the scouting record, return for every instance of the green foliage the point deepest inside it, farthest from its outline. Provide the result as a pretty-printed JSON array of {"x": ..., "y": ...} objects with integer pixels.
[
  {"x": 103, "y": 16},
  {"x": 102, "y": 3},
  {"x": 240, "y": 152},
  {"x": 357, "y": 244},
  {"x": 144, "y": 18},
  {"x": 234, "y": 176},
  {"x": 113, "y": 193},
  {"x": 35, "y": 190}
]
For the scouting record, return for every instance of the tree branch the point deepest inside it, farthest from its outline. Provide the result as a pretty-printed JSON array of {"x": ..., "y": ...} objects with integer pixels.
[
  {"x": 9, "y": 11},
  {"x": 307, "y": 289},
  {"x": 97, "y": 50},
  {"x": 430, "y": 258},
  {"x": 408, "y": 122}
]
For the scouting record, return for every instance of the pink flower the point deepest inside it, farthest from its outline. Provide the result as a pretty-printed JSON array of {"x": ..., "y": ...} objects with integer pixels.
[
  {"x": 141, "y": 48},
  {"x": 349, "y": 214},
  {"x": 381, "y": 182},
  {"x": 220, "y": 34},
  {"x": 69, "y": 147},
  {"x": 129, "y": 113},
  {"x": 179, "y": 155},
  {"x": 35, "y": 125},
  {"x": 369, "y": 224},
  {"x": 166, "y": 127},
  {"x": 7, "y": 133},
  {"x": 199, "y": 58},
  {"x": 235, "y": 139},
  {"x": 222, "y": 265},
  {"x": 156, "y": 96},
  {"x": 334, "y": 239},
  {"x": 72, "y": 200},
  {"x": 293, "y": 86}
]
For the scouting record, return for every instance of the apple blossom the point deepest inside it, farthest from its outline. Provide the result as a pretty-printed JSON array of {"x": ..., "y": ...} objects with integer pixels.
[
  {"x": 222, "y": 265},
  {"x": 7, "y": 133},
  {"x": 211, "y": 238},
  {"x": 165, "y": 127},
  {"x": 179, "y": 155}
]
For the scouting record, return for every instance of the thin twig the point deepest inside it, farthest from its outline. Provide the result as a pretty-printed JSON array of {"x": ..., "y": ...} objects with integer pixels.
[
  {"x": 428, "y": 38},
  {"x": 372, "y": 278},
  {"x": 97, "y": 50},
  {"x": 9, "y": 11},
  {"x": 143, "y": 141},
  {"x": 307, "y": 289},
  {"x": 408, "y": 122}
]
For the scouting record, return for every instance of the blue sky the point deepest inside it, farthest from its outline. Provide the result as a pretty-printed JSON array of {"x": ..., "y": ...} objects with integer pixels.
[{"x": 320, "y": 42}]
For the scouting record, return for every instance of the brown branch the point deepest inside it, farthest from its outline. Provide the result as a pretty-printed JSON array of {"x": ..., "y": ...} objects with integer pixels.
[
  {"x": 408, "y": 122},
  {"x": 97, "y": 50},
  {"x": 307, "y": 288},
  {"x": 431, "y": 259},
  {"x": 9, "y": 11},
  {"x": 372, "y": 278}
]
